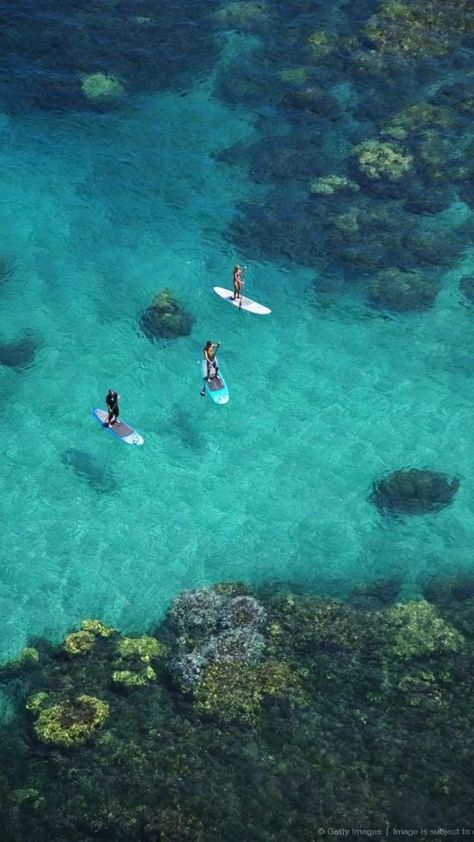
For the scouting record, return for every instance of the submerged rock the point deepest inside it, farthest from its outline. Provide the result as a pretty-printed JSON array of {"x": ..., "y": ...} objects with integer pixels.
[
  {"x": 402, "y": 291},
  {"x": 85, "y": 467},
  {"x": 467, "y": 288},
  {"x": 18, "y": 354},
  {"x": 166, "y": 318},
  {"x": 414, "y": 491}
]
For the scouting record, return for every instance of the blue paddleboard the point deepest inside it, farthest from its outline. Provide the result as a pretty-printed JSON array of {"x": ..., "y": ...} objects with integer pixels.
[
  {"x": 216, "y": 388},
  {"x": 121, "y": 430}
]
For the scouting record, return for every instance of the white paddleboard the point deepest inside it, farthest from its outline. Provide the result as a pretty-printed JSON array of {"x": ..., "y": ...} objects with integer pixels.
[
  {"x": 120, "y": 429},
  {"x": 242, "y": 303}
]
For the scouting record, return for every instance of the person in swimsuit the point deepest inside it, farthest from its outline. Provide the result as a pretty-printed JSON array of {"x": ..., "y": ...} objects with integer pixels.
[
  {"x": 212, "y": 369},
  {"x": 112, "y": 399},
  {"x": 238, "y": 282}
]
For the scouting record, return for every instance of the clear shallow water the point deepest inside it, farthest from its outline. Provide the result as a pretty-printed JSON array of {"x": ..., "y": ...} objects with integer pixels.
[{"x": 98, "y": 212}]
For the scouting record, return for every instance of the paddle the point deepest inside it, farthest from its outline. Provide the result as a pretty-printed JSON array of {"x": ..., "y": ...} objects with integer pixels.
[{"x": 242, "y": 284}]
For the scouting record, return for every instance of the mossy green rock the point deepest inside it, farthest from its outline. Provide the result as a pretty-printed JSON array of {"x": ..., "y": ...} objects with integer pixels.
[
  {"x": 69, "y": 724},
  {"x": 100, "y": 88},
  {"x": 98, "y": 628},
  {"x": 79, "y": 643},
  {"x": 131, "y": 678},
  {"x": 418, "y": 630},
  {"x": 37, "y": 701},
  {"x": 133, "y": 665}
]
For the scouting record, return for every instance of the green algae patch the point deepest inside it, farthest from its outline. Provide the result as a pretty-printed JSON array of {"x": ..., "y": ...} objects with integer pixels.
[
  {"x": 418, "y": 630},
  {"x": 145, "y": 648},
  {"x": 230, "y": 692},
  {"x": 69, "y": 724},
  {"x": 79, "y": 643}
]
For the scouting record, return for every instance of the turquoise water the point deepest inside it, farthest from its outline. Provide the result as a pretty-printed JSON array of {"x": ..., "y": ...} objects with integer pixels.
[{"x": 98, "y": 212}]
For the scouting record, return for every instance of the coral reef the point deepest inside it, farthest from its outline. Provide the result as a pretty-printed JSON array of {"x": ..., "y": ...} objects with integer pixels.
[
  {"x": 237, "y": 644},
  {"x": 414, "y": 491},
  {"x": 166, "y": 318},
  {"x": 196, "y": 612},
  {"x": 378, "y": 159},
  {"x": 328, "y": 185},
  {"x": 214, "y": 625},
  {"x": 338, "y": 699},
  {"x": 421, "y": 27}
]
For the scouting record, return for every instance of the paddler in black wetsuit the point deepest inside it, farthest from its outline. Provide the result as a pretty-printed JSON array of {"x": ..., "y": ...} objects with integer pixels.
[{"x": 112, "y": 399}]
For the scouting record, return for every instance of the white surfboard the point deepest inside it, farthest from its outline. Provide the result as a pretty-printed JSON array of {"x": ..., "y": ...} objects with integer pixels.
[
  {"x": 242, "y": 303},
  {"x": 120, "y": 429}
]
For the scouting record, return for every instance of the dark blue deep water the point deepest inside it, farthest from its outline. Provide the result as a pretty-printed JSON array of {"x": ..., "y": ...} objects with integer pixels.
[{"x": 325, "y": 688}]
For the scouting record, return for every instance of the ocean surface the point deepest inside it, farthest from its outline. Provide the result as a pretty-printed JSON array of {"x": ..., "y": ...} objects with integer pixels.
[{"x": 102, "y": 205}]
